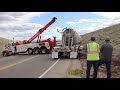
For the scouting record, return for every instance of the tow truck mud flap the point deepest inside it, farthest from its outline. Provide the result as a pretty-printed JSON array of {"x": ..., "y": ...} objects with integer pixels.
[
  {"x": 54, "y": 54},
  {"x": 73, "y": 54}
]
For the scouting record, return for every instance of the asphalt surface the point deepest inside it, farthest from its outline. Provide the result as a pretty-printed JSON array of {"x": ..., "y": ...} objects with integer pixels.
[
  {"x": 25, "y": 66},
  {"x": 62, "y": 69}
]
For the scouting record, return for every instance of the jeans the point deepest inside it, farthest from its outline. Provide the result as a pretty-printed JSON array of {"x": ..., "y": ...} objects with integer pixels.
[
  {"x": 108, "y": 66},
  {"x": 95, "y": 66}
]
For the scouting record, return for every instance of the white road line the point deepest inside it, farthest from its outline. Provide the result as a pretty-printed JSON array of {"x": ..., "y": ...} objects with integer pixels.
[{"x": 49, "y": 69}]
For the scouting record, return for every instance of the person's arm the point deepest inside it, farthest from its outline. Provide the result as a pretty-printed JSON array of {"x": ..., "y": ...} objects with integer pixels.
[
  {"x": 112, "y": 48},
  {"x": 101, "y": 49},
  {"x": 85, "y": 48}
]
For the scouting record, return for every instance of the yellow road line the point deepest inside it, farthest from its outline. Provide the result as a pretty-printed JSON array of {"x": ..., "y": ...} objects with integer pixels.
[{"x": 5, "y": 67}]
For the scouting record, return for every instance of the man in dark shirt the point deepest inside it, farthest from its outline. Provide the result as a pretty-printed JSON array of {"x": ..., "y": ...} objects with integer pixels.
[{"x": 106, "y": 55}]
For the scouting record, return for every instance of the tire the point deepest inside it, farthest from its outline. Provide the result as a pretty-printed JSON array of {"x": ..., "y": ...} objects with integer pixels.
[
  {"x": 30, "y": 51},
  {"x": 36, "y": 51},
  {"x": 55, "y": 58},
  {"x": 43, "y": 50},
  {"x": 5, "y": 54},
  {"x": 60, "y": 54}
]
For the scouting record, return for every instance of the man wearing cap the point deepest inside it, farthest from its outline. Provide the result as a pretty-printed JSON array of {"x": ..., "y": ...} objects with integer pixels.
[
  {"x": 92, "y": 57},
  {"x": 106, "y": 55}
]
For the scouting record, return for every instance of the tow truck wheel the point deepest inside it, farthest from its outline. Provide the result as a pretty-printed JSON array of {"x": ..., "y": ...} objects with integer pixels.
[
  {"x": 4, "y": 54},
  {"x": 43, "y": 50},
  {"x": 36, "y": 50},
  {"x": 30, "y": 51}
]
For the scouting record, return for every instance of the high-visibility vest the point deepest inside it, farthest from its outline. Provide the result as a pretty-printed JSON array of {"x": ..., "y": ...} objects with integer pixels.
[{"x": 93, "y": 51}]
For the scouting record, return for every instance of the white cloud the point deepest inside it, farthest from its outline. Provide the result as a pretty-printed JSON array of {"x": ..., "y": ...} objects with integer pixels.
[
  {"x": 15, "y": 25},
  {"x": 19, "y": 31},
  {"x": 26, "y": 30},
  {"x": 93, "y": 24},
  {"x": 110, "y": 22},
  {"x": 90, "y": 20},
  {"x": 113, "y": 18},
  {"x": 57, "y": 35},
  {"x": 111, "y": 15},
  {"x": 20, "y": 27},
  {"x": 94, "y": 28},
  {"x": 71, "y": 23},
  {"x": 54, "y": 30},
  {"x": 18, "y": 16},
  {"x": 84, "y": 20},
  {"x": 50, "y": 33}
]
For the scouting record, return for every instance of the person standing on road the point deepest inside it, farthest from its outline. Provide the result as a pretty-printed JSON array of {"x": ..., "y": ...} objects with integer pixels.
[
  {"x": 92, "y": 57},
  {"x": 106, "y": 55},
  {"x": 80, "y": 48}
]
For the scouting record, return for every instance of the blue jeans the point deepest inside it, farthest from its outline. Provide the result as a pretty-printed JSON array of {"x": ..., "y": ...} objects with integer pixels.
[
  {"x": 108, "y": 66},
  {"x": 95, "y": 66}
]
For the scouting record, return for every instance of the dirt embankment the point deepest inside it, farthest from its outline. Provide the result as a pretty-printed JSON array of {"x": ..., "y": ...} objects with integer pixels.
[
  {"x": 3, "y": 41},
  {"x": 102, "y": 69}
]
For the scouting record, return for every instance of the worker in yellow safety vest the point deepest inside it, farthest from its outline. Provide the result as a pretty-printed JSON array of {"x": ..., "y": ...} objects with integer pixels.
[{"x": 92, "y": 57}]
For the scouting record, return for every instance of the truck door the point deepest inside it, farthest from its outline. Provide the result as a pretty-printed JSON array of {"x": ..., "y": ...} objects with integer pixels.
[{"x": 11, "y": 47}]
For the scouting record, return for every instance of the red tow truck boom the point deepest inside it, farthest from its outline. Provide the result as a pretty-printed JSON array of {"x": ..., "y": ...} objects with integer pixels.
[{"x": 40, "y": 31}]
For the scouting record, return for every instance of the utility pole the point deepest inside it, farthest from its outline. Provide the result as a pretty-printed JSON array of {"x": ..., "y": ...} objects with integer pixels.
[{"x": 13, "y": 39}]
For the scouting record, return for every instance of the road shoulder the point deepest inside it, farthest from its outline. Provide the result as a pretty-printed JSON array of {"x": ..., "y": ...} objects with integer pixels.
[{"x": 62, "y": 69}]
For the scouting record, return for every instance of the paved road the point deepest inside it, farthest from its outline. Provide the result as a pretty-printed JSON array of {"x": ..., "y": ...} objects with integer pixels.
[
  {"x": 25, "y": 66},
  {"x": 62, "y": 69}
]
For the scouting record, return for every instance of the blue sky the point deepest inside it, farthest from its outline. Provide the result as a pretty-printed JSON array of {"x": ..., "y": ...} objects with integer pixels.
[
  {"x": 65, "y": 17},
  {"x": 23, "y": 25}
]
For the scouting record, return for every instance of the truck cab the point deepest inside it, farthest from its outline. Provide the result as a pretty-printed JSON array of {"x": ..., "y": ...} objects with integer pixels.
[{"x": 9, "y": 49}]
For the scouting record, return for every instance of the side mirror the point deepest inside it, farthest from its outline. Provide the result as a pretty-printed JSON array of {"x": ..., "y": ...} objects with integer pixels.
[{"x": 8, "y": 45}]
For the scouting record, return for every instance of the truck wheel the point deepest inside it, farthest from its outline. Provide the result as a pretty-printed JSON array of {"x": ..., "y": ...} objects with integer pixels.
[
  {"x": 55, "y": 58},
  {"x": 36, "y": 50},
  {"x": 4, "y": 54},
  {"x": 60, "y": 54},
  {"x": 43, "y": 50},
  {"x": 30, "y": 51}
]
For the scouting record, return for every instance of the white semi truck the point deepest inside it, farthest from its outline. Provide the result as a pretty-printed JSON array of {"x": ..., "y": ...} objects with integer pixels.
[{"x": 70, "y": 43}]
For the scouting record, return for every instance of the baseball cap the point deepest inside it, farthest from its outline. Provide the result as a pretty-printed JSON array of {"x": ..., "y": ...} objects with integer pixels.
[{"x": 107, "y": 38}]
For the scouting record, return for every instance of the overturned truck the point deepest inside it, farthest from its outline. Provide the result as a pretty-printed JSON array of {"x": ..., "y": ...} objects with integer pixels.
[{"x": 70, "y": 43}]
